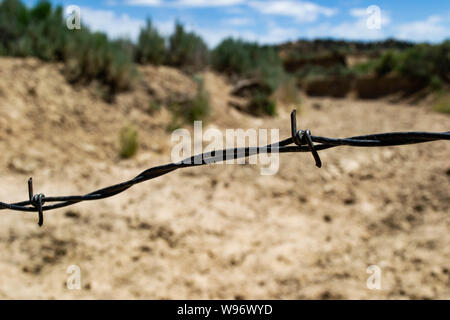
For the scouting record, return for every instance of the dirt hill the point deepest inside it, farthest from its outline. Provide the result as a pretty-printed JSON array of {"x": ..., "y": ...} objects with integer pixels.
[{"x": 222, "y": 231}]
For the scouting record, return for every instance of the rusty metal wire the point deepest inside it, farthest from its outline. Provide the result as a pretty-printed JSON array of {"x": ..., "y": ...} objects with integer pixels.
[{"x": 302, "y": 141}]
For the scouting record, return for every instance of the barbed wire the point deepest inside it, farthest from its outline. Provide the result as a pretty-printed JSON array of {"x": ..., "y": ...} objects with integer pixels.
[{"x": 302, "y": 139}]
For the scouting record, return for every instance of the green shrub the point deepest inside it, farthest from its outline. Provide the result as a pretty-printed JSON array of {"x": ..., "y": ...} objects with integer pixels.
[
  {"x": 364, "y": 68},
  {"x": 38, "y": 31},
  {"x": 443, "y": 60},
  {"x": 125, "y": 45},
  {"x": 151, "y": 47},
  {"x": 442, "y": 104},
  {"x": 120, "y": 71},
  {"x": 269, "y": 68},
  {"x": 92, "y": 56},
  {"x": 386, "y": 63},
  {"x": 436, "y": 83},
  {"x": 429, "y": 64},
  {"x": 197, "y": 108},
  {"x": 187, "y": 50},
  {"x": 418, "y": 62},
  {"x": 233, "y": 57},
  {"x": 248, "y": 60},
  {"x": 14, "y": 19},
  {"x": 311, "y": 71},
  {"x": 128, "y": 141},
  {"x": 41, "y": 32},
  {"x": 243, "y": 59},
  {"x": 261, "y": 104}
]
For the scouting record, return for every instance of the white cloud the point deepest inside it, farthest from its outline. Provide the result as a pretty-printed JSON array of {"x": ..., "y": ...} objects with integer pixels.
[
  {"x": 112, "y": 24},
  {"x": 358, "y": 12},
  {"x": 111, "y": 3},
  {"x": 186, "y": 3},
  {"x": 301, "y": 10},
  {"x": 237, "y": 10},
  {"x": 145, "y": 2},
  {"x": 214, "y": 36},
  {"x": 356, "y": 29},
  {"x": 432, "y": 29},
  {"x": 166, "y": 27},
  {"x": 351, "y": 31},
  {"x": 208, "y": 3},
  {"x": 274, "y": 35},
  {"x": 363, "y": 14},
  {"x": 237, "y": 21},
  {"x": 115, "y": 26}
]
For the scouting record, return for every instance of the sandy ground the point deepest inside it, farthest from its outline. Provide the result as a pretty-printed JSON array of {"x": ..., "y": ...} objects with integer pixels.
[{"x": 222, "y": 231}]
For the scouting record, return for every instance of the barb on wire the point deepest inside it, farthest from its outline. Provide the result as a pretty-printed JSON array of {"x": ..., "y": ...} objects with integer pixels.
[{"x": 302, "y": 140}]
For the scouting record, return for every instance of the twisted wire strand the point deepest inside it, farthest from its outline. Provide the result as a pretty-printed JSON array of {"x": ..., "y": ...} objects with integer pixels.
[{"x": 302, "y": 141}]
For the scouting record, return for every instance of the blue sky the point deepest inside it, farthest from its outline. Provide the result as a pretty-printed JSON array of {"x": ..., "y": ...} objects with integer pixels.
[{"x": 270, "y": 21}]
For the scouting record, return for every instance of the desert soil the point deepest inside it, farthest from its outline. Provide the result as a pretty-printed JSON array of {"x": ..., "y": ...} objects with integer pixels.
[{"x": 222, "y": 231}]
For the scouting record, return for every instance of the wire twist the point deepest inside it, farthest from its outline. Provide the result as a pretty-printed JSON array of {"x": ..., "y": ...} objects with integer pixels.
[{"x": 302, "y": 140}]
